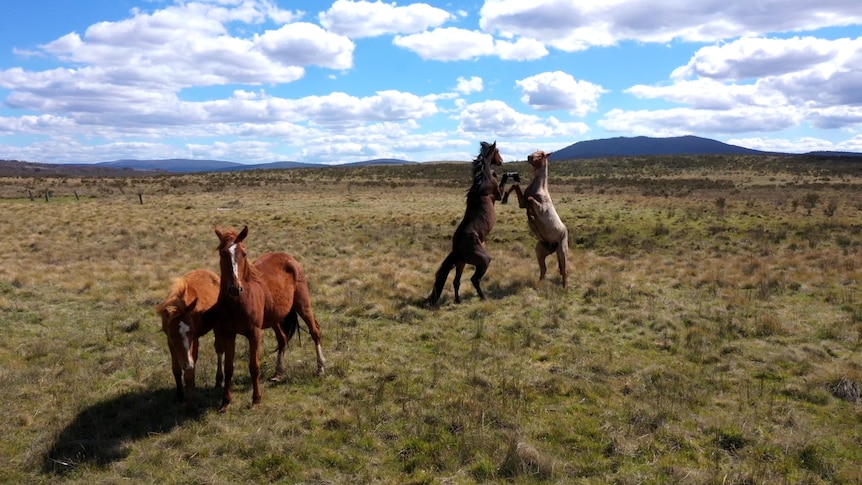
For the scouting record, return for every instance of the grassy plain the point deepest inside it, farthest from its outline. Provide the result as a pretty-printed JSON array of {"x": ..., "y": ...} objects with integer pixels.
[{"x": 710, "y": 334}]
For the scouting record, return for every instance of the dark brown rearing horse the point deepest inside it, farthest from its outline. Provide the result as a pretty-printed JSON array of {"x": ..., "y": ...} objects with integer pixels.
[
  {"x": 468, "y": 242},
  {"x": 182, "y": 321},
  {"x": 272, "y": 292}
]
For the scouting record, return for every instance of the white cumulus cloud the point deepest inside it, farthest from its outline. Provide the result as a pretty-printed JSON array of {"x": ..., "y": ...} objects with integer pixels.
[
  {"x": 558, "y": 90},
  {"x": 471, "y": 85},
  {"x": 357, "y": 19},
  {"x": 572, "y": 26},
  {"x": 498, "y": 119},
  {"x": 448, "y": 44}
]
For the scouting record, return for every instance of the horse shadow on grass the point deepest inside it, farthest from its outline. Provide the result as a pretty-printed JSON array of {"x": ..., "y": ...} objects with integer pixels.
[
  {"x": 494, "y": 291},
  {"x": 103, "y": 433}
]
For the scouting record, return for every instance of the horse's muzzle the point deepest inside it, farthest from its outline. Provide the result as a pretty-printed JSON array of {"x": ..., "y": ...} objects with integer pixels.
[{"x": 234, "y": 291}]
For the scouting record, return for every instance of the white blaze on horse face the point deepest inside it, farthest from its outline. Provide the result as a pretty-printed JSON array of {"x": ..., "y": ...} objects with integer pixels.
[
  {"x": 187, "y": 345},
  {"x": 233, "y": 263}
]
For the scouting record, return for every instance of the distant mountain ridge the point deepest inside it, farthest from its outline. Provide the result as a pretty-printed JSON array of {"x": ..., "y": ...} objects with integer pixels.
[
  {"x": 646, "y": 146},
  {"x": 638, "y": 146},
  {"x": 182, "y": 165},
  {"x": 607, "y": 147}
]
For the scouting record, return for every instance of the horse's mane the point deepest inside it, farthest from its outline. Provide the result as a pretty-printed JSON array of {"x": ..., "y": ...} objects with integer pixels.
[
  {"x": 479, "y": 172},
  {"x": 174, "y": 299},
  {"x": 251, "y": 272}
]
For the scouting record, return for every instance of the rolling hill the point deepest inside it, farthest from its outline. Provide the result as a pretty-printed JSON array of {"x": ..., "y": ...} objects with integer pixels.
[{"x": 646, "y": 146}]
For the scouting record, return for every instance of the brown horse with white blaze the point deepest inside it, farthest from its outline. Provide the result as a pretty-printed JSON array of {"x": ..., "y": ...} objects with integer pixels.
[
  {"x": 468, "y": 242},
  {"x": 269, "y": 293},
  {"x": 182, "y": 312}
]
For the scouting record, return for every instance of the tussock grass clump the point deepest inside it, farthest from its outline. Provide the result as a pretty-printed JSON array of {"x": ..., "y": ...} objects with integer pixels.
[
  {"x": 846, "y": 389},
  {"x": 524, "y": 459}
]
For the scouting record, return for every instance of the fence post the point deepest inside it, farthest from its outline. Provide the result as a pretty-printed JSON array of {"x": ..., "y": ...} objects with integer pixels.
[
  {"x": 141, "y": 197},
  {"x": 30, "y": 193},
  {"x": 77, "y": 197},
  {"x": 47, "y": 196}
]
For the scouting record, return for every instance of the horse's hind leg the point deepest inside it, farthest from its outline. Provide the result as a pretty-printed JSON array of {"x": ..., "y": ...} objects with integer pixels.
[
  {"x": 303, "y": 308},
  {"x": 456, "y": 283},
  {"x": 482, "y": 261},
  {"x": 282, "y": 339},
  {"x": 563, "y": 256},
  {"x": 542, "y": 252}
]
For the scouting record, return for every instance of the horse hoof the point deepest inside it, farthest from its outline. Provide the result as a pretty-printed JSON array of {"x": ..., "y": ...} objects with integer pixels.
[{"x": 275, "y": 379}]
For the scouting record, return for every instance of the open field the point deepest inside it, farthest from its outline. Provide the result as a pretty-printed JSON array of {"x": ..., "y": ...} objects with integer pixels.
[{"x": 711, "y": 331}]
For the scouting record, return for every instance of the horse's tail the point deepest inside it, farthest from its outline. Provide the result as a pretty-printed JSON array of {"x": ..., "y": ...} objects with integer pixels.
[
  {"x": 290, "y": 324},
  {"x": 440, "y": 279}
]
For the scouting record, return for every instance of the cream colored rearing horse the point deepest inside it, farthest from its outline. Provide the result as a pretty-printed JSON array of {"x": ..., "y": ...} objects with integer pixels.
[{"x": 542, "y": 217}]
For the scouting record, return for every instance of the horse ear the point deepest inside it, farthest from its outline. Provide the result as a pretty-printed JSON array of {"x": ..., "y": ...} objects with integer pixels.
[
  {"x": 242, "y": 234},
  {"x": 218, "y": 231},
  {"x": 191, "y": 306}
]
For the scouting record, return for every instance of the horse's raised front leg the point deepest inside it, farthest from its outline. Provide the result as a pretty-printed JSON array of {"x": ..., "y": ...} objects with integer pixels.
[
  {"x": 229, "y": 346},
  {"x": 517, "y": 189}
]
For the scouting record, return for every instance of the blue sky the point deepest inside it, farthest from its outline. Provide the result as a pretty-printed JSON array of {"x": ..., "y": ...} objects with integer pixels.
[{"x": 256, "y": 81}]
